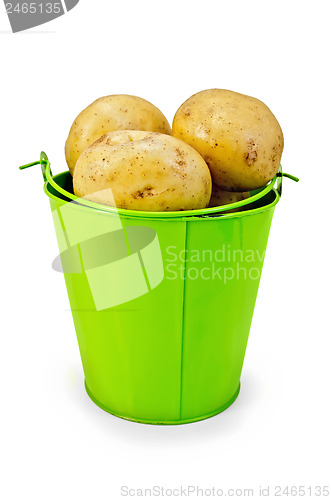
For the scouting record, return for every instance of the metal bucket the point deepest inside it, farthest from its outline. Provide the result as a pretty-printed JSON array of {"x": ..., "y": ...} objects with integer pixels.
[{"x": 162, "y": 302}]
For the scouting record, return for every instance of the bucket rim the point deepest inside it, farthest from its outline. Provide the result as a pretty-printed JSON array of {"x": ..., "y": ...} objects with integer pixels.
[
  {"x": 195, "y": 215},
  {"x": 227, "y": 211},
  {"x": 221, "y": 211}
]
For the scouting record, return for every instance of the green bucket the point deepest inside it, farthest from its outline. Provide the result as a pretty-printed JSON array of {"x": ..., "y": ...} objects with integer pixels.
[{"x": 162, "y": 302}]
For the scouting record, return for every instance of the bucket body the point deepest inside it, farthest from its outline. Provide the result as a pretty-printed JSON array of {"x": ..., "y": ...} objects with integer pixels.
[{"x": 162, "y": 307}]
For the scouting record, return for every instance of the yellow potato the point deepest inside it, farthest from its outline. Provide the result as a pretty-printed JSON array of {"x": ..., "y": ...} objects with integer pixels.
[
  {"x": 143, "y": 171},
  {"x": 237, "y": 135},
  {"x": 114, "y": 112},
  {"x": 221, "y": 197}
]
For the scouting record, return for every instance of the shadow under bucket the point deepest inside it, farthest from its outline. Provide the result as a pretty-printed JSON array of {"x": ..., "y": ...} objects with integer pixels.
[{"x": 162, "y": 303}]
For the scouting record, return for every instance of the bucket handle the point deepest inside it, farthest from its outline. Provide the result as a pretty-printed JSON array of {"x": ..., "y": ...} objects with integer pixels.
[
  {"x": 48, "y": 177},
  {"x": 44, "y": 163},
  {"x": 280, "y": 175}
]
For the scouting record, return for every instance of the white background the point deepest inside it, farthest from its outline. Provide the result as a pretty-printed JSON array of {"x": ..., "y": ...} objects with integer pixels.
[{"x": 55, "y": 443}]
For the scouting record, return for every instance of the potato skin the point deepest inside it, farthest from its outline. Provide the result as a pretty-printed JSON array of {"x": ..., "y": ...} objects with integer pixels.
[
  {"x": 143, "y": 171},
  {"x": 237, "y": 135},
  {"x": 114, "y": 112},
  {"x": 220, "y": 197}
]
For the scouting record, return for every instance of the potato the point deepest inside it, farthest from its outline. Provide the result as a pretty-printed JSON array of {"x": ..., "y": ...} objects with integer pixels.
[
  {"x": 143, "y": 171},
  {"x": 220, "y": 197},
  {"x": 114, "y": 112},
  {"x": 237, "y": 135}
]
